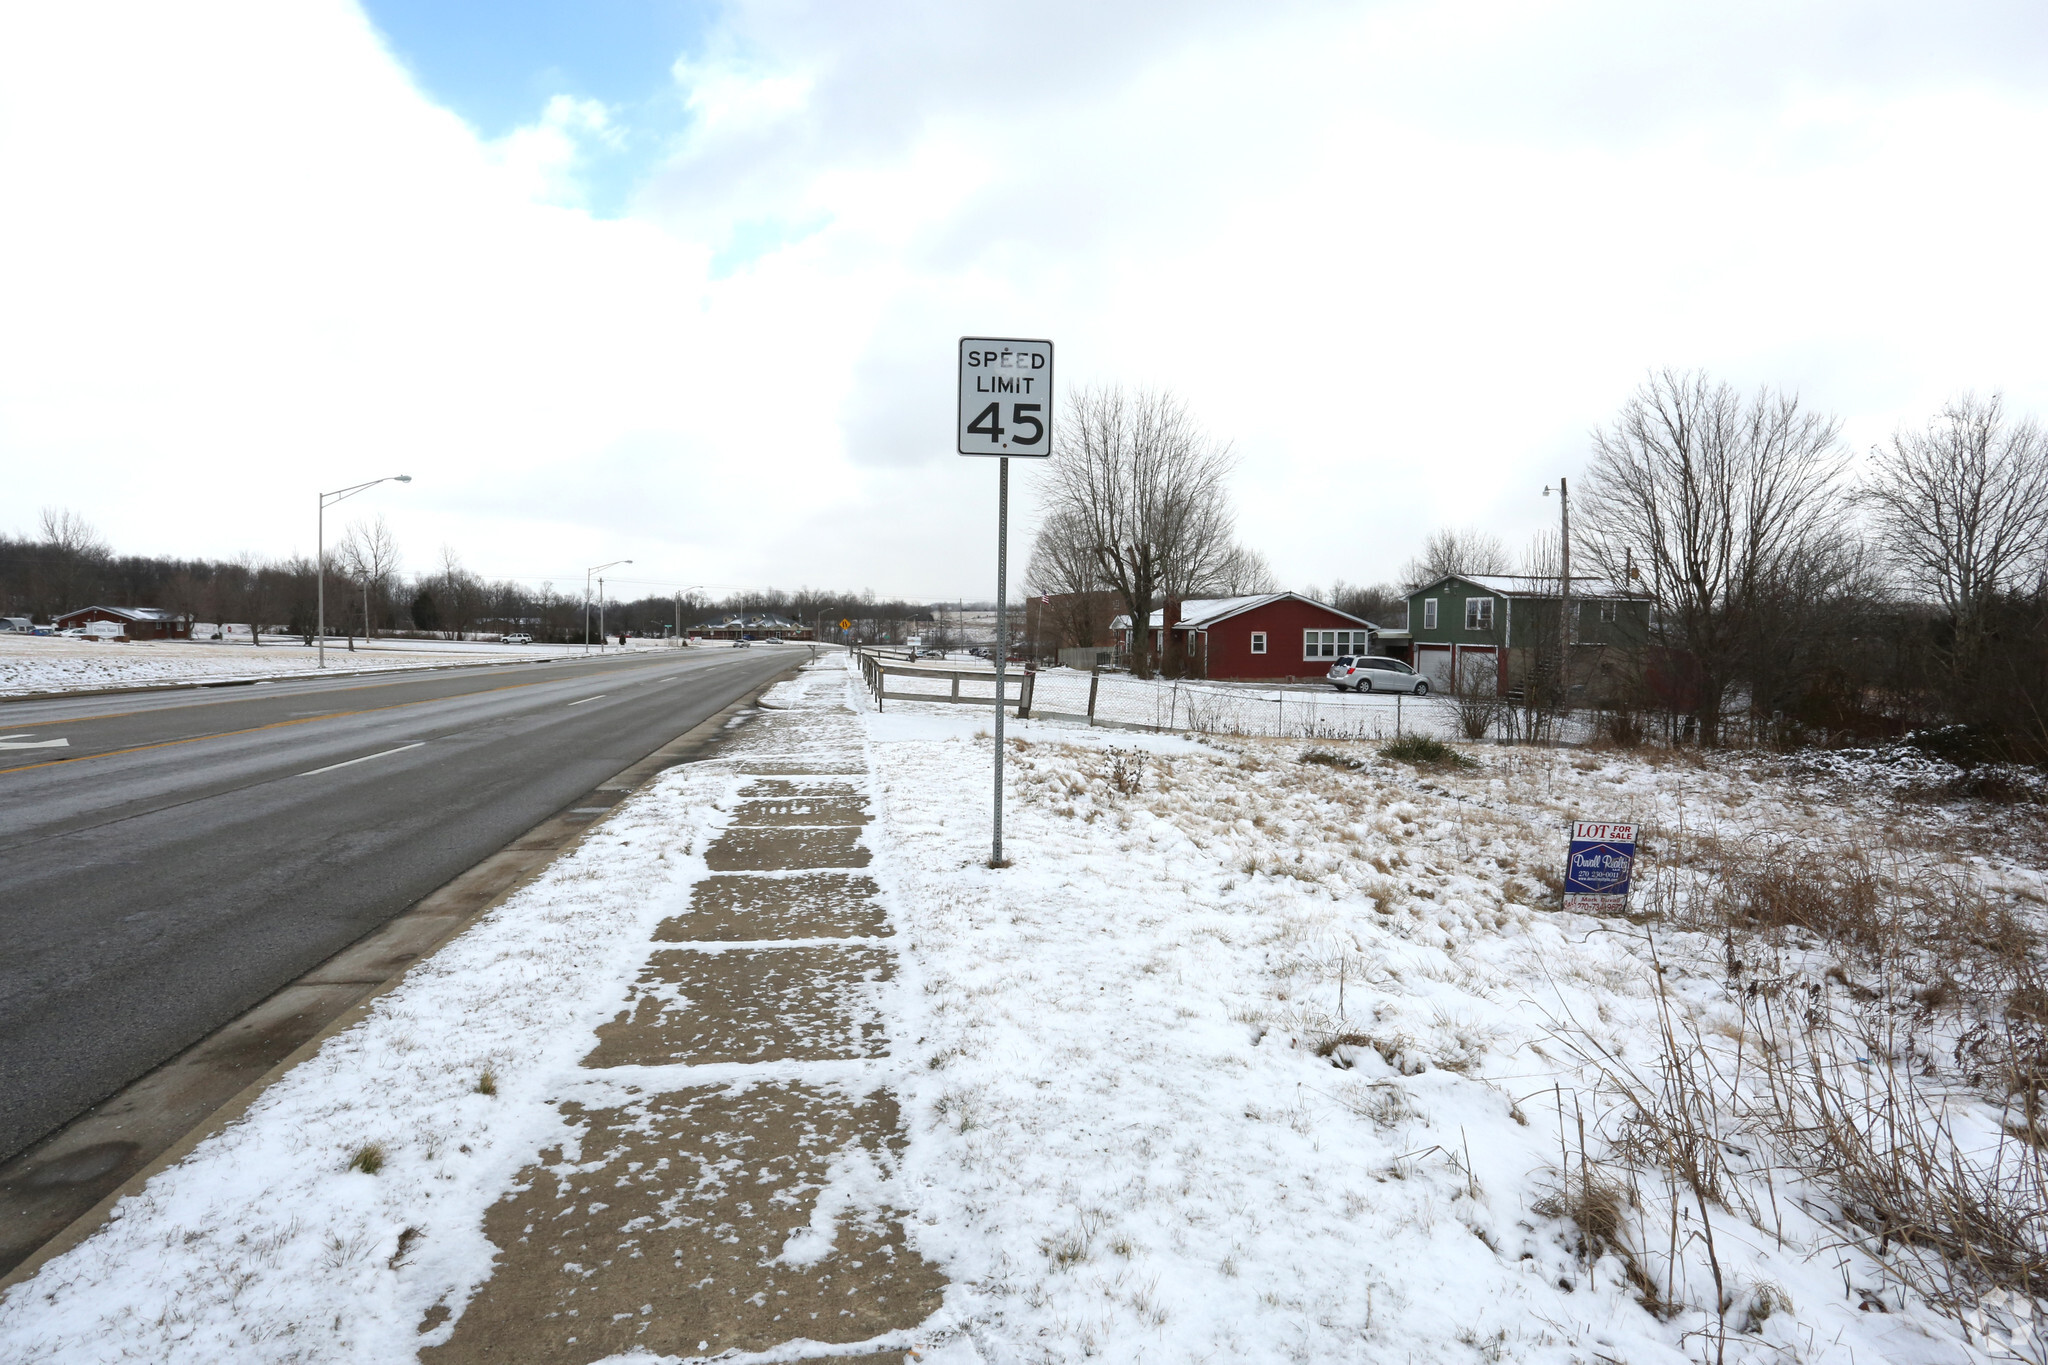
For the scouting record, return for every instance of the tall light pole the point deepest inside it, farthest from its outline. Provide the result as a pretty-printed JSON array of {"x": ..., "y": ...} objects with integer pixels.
[
  {"x": 320, "y": 620},
  {"x": 598, "y": 568}
]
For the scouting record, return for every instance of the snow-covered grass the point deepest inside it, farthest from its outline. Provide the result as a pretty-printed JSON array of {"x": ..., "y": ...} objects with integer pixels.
[
  {"x": 36, "y": 664},
  {"x": 1252, "y": 1058}
]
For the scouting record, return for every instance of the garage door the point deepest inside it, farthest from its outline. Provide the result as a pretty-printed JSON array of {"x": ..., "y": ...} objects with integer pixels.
[{"x": 1434, "y": 663}]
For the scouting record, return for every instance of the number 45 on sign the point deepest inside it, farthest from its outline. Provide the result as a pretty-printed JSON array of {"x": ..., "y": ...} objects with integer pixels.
[{"x": 1005, "y": 396}]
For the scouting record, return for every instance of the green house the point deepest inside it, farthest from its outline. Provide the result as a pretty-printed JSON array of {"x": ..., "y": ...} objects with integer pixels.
[{"x": 1499, "y": 632}]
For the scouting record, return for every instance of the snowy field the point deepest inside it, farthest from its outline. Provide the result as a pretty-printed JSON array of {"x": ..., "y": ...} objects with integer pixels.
[
  {"x": 35, "y": 664},
  {"x": 1260, "y": 1050},
  {"x": 1254, "y": 1058}
]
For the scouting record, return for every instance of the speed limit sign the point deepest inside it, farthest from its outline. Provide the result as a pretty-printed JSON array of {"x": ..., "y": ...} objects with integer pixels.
[{"x": 1005, "y": 397}]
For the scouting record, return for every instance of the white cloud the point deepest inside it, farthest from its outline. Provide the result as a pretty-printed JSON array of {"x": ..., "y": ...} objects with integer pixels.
[
  {"x": 1404, "y": 254},
  {"x": 546, "y": 159}
]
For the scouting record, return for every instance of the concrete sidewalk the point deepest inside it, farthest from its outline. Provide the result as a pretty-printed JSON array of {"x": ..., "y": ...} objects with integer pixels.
[{"x": 739, "y": 1201}]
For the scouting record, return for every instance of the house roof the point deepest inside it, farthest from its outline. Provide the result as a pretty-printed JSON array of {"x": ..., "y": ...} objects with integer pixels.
[
  {"x": 750, "y": 621},
  {"x": 1201, "y": 613},
  {"x": 128, "y": 613},
  {"x": 1535, "y": 585}
]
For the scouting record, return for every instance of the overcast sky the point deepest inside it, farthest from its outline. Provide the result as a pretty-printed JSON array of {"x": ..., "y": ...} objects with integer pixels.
[{"x": 683, "y": 282}]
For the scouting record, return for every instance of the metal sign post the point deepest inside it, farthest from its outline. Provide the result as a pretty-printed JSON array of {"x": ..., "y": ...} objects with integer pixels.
[{"x": 1005, "y": 409}]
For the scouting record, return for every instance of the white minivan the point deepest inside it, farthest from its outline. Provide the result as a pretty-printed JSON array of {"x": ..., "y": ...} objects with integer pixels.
[{"x": 1366, "y": 673}]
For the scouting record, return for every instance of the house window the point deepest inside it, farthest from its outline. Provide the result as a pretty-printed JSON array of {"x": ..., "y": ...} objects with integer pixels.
[
  {"x": 1479, "y": 613},
  {"x": 1258, "y": 642},
  {"x": 1429, "y": 613},
  {"x": 1328, "y": 644},
  {"x": 1607, "y": 612}
]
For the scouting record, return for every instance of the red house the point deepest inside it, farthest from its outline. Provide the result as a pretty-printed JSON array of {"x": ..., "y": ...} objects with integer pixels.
[{"x": 1278, "y": 635}]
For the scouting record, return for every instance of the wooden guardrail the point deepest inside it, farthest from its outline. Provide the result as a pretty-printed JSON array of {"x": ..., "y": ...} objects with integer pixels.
[{"x": 876, "y": 672}]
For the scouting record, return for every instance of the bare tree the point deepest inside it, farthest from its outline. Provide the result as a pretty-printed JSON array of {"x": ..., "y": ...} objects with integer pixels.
[
  {"x": 1243, "y": 573},
  {"x": 1450, "y": 551},
  {"x": 1962, "y": 508},
  {"x": 71, "y": 551},
  {"x": 368, "y": 553},
  {"x": 1722, "y": 502},
  {"x": 1139, "y": 487},
  {"x": 1067, "y": 574},
  {"x": 1383, "y": 604},
  {"x": 66, "y": 532},
  {"x": 458, "y": 593}
]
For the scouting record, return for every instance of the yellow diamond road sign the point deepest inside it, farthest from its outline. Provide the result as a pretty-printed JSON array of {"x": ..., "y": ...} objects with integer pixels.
[{"x": 845, "y": 624}]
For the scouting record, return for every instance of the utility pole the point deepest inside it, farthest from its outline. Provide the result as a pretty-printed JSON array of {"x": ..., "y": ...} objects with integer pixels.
[{"x": 1564, "y": 590}]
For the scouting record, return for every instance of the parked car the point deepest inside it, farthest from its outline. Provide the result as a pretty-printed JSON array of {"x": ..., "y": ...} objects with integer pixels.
[
  {"x": 1367, "y": 673},
  {"x": 75, "y": 633},
  {"x": 741, "y": 643},
  {"x": 518, "y": 639}
]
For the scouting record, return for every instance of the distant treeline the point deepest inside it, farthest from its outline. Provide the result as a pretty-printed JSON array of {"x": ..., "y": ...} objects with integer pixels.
[{"x": 66, "y": 565}]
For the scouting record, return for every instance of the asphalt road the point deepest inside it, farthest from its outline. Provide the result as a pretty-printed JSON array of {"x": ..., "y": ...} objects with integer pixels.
[{"x": 183, "y": 855}]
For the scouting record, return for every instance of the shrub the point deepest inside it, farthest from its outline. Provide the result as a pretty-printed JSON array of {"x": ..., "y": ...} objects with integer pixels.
[
  {"x": 1425, "y": 751},
  {"x": 368, "y": 1158}
]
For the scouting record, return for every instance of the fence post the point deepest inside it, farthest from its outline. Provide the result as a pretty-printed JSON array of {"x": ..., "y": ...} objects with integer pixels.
[
  {"x": 956, "y": 687},
  {"x": 1024, "y": 691},
  {"x": 1094, "y": 681},
  {"x": 1397, "y": 715}
]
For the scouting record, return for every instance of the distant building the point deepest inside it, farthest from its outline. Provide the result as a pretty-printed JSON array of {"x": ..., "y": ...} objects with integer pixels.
[
  {"x": 766, "y": 625},
  {"x": 1275, "y": 635},
  {"x": 137, "y": 623},
  {"x": 16, "y": 625},
  {"x": 1060, "y": 623},
  {"x": 1499, "y": 631}
]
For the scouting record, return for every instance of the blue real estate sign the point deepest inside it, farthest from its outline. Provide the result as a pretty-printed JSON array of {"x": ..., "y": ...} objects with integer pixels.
[{"x": 1597, "y": 867}]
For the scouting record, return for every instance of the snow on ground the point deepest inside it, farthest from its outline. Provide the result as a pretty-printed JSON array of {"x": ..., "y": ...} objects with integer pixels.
[
  {"x": 37, "y": 664},
  {"x": 1248, "y": 1058},
  {"x": 1244, "y": 1058},
  {"x": 264, "y": 1245}
]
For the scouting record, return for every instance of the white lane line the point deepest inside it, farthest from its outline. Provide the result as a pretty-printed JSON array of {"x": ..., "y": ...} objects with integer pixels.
[
  {"x": 315, "y": 772},
  {"x": 599, "y": 697},
  {"x": 10, "y": 742}
]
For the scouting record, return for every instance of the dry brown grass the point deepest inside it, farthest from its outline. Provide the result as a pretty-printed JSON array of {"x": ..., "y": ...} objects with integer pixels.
[{"x": 1885, "y": 996}]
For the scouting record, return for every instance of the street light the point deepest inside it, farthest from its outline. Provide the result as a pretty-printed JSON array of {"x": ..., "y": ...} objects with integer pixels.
[
  {"x": 328, "y": 500},
  {"x": 600, "y": 568}
]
